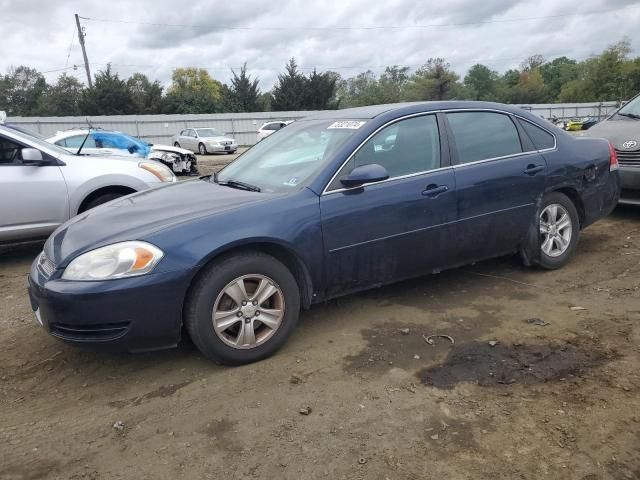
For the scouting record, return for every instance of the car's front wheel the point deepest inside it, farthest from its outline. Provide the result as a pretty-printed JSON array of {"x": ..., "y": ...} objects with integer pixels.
[
  {"x": 557, "y": 228},
  {"x": 202, "y": 149},
  {"x": 242, "y": 308}
]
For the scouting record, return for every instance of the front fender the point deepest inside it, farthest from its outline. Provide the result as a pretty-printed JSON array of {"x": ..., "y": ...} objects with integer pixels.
[{"x": 78, "y": 192}]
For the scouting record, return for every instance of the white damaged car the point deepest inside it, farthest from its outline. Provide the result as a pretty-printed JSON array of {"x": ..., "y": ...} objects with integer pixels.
[{"x": 104, "y": 142}]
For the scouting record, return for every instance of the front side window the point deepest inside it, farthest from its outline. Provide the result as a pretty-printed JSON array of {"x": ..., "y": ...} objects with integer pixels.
[
  {"x": 402, "y": 148},
  {"x": 291, "y": 159},
  {"x": 9, "y": 152},
  {"x": 483, "y": 135}
]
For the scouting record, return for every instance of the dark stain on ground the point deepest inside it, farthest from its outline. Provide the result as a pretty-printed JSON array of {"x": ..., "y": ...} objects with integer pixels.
[
  {"x": 222, "y": 432},
  {"x": 395, "y": 344},
  {"x": 480, "y": 363},
  {"x": 160, "y": 392}
]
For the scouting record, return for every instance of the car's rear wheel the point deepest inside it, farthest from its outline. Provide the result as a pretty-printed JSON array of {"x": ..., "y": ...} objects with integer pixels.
[
  {"x": 242, "y": 308},
  {"x": 557, "y": 228},
  {"x": 202, "y": 149}
]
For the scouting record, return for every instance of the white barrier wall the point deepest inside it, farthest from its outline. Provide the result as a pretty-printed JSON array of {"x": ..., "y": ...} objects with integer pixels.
[{"x": 243, "y": 126}]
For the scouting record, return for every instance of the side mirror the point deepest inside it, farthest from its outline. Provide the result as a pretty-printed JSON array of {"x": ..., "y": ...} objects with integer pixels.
[
  {"x": 33, "y": 157},
  {"x": 364, "y": 174}
]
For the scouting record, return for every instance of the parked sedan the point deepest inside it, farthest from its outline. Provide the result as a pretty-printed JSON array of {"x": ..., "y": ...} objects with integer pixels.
[
  {"x": 234, "y": 257},
  {"x": 43, "y": 185},
  {"x": 268, "y": 128},
  {"x": 105, "y": 143},
  {"x": 622, "y": 129},
  {"x": 204, "y": 140}
]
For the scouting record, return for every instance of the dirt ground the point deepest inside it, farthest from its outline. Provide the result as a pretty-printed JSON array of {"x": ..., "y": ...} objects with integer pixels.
[{"x": 533, "y": 387}]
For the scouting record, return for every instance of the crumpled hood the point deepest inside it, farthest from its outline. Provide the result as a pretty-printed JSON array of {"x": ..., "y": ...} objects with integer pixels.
[
  {"x": 137, "y": 216},
  {"x": 617, "y": 132},
  {"x": 168, "y": 148}
]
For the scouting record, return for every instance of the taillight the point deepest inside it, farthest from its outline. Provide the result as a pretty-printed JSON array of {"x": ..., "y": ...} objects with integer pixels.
[{"x": 613, "y": 158}]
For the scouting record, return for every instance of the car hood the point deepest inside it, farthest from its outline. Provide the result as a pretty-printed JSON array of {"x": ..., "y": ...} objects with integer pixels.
[
  {"x": 168, "y": 148},
  {"x": 217, "y": 139},
  {"x": 617, "y": 132},
  {"x": 137, "y": 216}
]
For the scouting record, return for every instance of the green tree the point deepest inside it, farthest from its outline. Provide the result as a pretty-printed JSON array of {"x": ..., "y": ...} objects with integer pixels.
[
  {"x": 193, "y": 90},
  {"x": 433, "y": 81},
  {"x": 145, "y": 95},
  {"x": 392, "y": 83},
  {"x": 63, "y": 98},
  {"x": 244, "y": 93},
  {"x": 359, "y": 90},
  {"x": 320, "y": 89},
  {"x": 290, "y": 91},
  {"x": 557, "y": 73},
  {"x": 481, "y": 83},
  {"x": 21, "y": 91},
  {"x": 109, "y": 95}
]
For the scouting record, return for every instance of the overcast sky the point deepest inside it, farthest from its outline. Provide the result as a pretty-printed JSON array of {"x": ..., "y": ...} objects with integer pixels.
[{"x": 323, "y": 34}]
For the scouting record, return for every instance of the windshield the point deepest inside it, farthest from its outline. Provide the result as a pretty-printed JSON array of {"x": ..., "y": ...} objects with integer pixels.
[
  {"x": 633, "y": 107},
  {"x": 209, "y": 132},
  {"x": 292, "y": 157}
]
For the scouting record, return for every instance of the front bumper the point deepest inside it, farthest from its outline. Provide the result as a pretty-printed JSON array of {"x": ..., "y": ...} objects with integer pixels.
[
  {"x": 222, "y": 148},
  {"x": 133, "y": 314},
  {"x": 630, "y": 183}
]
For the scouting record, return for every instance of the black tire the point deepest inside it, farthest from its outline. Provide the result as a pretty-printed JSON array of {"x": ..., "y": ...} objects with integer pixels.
[
  {"x": 203, "y": 294},
  {"x": 202, "y": 149},
  {"x": 176, "y": 144},
  {"x": 107, "y": 197},
  {"x": 532, "y": 252}
]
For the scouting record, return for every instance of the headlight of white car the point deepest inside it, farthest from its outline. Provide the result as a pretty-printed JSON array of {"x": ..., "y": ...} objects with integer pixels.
[
  {"x": 160, "y": 171},
  {"x": 170, "y": 157},
  {"x": 120, "y": 260}
]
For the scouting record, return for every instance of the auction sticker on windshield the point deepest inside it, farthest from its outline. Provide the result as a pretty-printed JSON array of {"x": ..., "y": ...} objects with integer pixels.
[{"x": 350, "y": 124}]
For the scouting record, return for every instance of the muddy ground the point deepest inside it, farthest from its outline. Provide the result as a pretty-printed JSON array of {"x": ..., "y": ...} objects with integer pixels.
[{"x": 532, "y": 388}]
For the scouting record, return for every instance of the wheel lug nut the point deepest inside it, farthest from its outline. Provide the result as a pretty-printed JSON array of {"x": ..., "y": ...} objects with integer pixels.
[
  {"x": 244, "y": 303},
  {"x": 239, "y": 314},
  {"x": 255, "y": 302},
  {"x": 257, "y": 314}
]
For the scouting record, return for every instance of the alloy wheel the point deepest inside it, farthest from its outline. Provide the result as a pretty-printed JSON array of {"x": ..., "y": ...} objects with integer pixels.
[
  {"x": 202, "y": 149},
  {"x": 248, "y": 311},
  {"x": 555, "y": 230}
]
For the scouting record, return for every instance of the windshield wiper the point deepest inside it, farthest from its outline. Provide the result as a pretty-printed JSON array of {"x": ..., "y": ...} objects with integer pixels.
[
  {"x": 630, "y": 115},
  {"x": 237, "y": 184}
]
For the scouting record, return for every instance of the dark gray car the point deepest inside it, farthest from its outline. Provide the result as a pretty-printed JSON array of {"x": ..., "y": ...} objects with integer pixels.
[{"x": 622, "y": 129}]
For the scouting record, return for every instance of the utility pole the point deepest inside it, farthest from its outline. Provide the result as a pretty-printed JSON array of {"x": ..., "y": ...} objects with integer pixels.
[{"x": 84, "y": 51}]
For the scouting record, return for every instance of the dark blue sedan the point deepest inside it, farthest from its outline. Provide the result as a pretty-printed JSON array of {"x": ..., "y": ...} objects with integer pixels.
[{"x": 335, "y": 203}]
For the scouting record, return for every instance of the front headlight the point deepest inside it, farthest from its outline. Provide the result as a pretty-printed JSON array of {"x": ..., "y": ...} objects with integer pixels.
[
  {"x": 170, "y": 157},
  {"x": 160, "y": 171},
  {"x": 120, "y": 260}
]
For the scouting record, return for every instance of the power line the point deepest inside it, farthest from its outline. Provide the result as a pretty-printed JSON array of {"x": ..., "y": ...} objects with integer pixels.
[
  {"x": 73, "y": 34},
  {"x": 362, "y": 27}
]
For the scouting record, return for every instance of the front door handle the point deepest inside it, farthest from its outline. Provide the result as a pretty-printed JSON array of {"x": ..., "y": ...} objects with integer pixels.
[
  {"x": 433, "y": 190},
  {"x": 533, "y": 169}
]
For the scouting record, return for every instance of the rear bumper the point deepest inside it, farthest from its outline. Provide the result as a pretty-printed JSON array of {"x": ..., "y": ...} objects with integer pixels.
[
  {"x": 134, "y": 314},
  {"x": 630, "y": 183}
]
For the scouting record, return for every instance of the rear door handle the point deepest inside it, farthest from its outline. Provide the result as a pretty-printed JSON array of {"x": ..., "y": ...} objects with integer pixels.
[
  {"x": 433, "y": 190},
  {"x": 533, "y": 169}
]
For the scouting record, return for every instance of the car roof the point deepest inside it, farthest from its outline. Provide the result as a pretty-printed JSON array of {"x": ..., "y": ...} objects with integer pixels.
[{"x": 373, "y": 111}]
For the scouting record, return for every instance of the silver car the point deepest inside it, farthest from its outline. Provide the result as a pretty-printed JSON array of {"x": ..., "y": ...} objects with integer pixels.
[
  {"x": 204, "y": 140},
  {"x": 43, "y": 185}
]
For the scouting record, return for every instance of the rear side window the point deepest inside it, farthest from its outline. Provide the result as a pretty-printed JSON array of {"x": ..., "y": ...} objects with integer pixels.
[
  {"x": 76, "y": 141},
  {"x": 483, "y": 135},
  {"x": 540, "y": 138}
]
